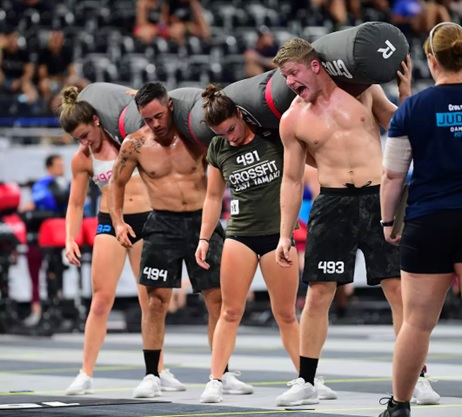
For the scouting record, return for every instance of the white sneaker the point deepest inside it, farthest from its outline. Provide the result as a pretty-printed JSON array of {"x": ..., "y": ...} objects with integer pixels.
[
  {"x": 82, "y": 384},
  {"x": 424, "y": 393},
  {"x": 213, "y": 392},
  {"x": 168, "y": 382},
  {"x": 231, "y": 385},
  {"x": 149, "y": 387},
  {"x": 32, "y": 319},
  {"x": 300, "y": 393},
  {"x": 324, "y": 392}
]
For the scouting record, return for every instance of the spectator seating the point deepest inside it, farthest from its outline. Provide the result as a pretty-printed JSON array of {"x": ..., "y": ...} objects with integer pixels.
[{"x": 105, "y": 50}]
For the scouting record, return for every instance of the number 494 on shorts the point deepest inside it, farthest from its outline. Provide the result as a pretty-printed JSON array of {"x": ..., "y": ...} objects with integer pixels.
[
  {"x": 155, "y": 273},
  {"x": 332, "y": 267}
]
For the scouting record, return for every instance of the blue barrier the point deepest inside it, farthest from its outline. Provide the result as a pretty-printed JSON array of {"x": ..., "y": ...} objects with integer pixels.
[{"x": 29, "y": 122}]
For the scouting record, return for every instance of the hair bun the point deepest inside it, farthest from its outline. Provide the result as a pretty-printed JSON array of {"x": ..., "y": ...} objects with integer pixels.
[{"x": 69, "y": 95}]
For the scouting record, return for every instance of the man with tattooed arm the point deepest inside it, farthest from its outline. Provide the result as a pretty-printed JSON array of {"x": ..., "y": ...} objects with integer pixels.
[{"x": 174, "y": 172}]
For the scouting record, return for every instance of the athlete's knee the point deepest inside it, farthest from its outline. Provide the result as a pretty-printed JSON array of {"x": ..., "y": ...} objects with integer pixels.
[
  {"x": 319, "y": 298},
  {"x": 284, "y": 315},
  {"x": 101, "y": 304},
  {"x": 232, "y": 314},
  {"x": 315, "y": 309},
  {"x": 158, "y": 300},
  {"x": 392, "y": 290},
  {"x": 421, "y": 324},
  {"x": 213, "y": 301},
  {"x": 143, "y": 301}
]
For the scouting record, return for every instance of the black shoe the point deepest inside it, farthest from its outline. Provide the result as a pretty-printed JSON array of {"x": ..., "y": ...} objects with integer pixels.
[{"x": 397, "y": 409}]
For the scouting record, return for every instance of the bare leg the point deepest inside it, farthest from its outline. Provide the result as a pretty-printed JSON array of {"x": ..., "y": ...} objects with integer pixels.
[
  {"x": 423, "y": 298},
  {"x": 315, "y": 318},
  {"x": 212, "y": 299},
  {"x": 107, "y": 264},
  {"x": 238, "y": 266},
  {"x": 282, "y": 286},
  {"x": 135, "y": 260},
  {"x": 153, "y": 323},
  {"x": 392, "y": 290}
]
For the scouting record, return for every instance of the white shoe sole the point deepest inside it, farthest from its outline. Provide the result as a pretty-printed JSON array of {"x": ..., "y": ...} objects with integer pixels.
[
  {"x": 237, "y": 392},
  {"x": 172, "y": 389},
  {"x": 82, "y": 392},
  {"x": 211, "y": 400},
  {"x": 144, "y": 395},
  {"x": 328, "y": 397},
  {"x": 295, "y": 403},
  {"x": 425, "y": 402}
]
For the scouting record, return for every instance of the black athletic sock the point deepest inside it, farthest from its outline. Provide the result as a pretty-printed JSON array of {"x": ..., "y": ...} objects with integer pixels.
[
  {"x": 151, "y": 360},
  {"x": 398, "y": 404},
  {"x": 226, "y": 369},
  {"x": 308, "y": 368}
]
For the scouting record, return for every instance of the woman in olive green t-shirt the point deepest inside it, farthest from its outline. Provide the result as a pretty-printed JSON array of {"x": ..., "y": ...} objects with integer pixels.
[{"x": 251, "y": 164}]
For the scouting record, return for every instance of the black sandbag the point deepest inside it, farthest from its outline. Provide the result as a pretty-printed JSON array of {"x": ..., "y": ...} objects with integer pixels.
[{"x": 370, "y": 53}]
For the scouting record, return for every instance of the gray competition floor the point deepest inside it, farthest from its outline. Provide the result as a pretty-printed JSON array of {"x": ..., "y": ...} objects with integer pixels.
[{"x": 356, "y": 363}]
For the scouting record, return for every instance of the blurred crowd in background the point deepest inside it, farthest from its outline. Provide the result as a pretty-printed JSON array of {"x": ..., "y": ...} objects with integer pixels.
[{"x": 46, "y": 45}]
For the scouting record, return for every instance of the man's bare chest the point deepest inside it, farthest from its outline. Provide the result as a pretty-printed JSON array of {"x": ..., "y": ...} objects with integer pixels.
[{"x": 163, "y": 165}]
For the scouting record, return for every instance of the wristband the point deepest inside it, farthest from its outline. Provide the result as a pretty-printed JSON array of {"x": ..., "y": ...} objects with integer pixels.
[
  {"x": 203, "y": 238},
  {"x": 387, "y": 224}
]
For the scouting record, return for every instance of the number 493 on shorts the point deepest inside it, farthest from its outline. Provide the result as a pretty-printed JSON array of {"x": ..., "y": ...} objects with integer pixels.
[{"x": 332, "y": 267}]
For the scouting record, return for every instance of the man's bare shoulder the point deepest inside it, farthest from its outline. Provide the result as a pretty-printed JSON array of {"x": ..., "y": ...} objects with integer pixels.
[
  {"x": 181, "y": 142},
  {"x": 297, "y": 106},
  {"x": 135, "y": 141},
  {"x": 298, "y": 103},
  {"x": 291, "y": 120},
  {"x": 196, "y": 147}
]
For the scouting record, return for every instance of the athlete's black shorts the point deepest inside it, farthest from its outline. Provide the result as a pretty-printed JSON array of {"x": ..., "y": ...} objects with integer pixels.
[
  {"x": 171, "y": 238},
  {"x": 261, "y": 245},
  {"x": 343, "y": 220},
  {"x": 432, "y": 244},
  {"x": 136, "y": 221}
]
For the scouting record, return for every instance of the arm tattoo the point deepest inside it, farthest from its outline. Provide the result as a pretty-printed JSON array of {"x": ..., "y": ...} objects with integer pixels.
[{"x": 133, "y": 145}]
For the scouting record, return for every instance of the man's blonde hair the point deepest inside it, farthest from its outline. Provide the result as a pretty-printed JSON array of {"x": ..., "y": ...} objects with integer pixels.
[{"x": 295, "y": 50}]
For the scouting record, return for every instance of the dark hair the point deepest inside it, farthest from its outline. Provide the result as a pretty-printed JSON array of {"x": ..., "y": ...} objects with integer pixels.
[
  {"x": 445, "y": 43},
  {"x": 50, "y": 159},
  {"x": 74, "y": 112},
  {"x": 217, "y": 105},
  {"x": 149, "y": 92}
]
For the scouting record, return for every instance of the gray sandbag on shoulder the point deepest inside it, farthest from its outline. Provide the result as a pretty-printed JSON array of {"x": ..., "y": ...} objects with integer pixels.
[
  {"x": 281, "y": 95},
  {"x": 262, "y": 99},
  {"x": 116, "y": 109},
  {"x": 188, "y": 114},
  {"x": 120, "y": 117},
  {"x": 370, "y": 53},
  {"x": 254, "y": 97}
]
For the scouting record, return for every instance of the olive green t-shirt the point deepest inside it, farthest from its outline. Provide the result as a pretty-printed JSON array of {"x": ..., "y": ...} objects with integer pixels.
[{"x": 253, "y": 172}]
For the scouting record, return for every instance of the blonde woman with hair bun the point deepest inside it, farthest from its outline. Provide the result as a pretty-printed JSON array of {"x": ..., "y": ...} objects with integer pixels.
[{"x": 93, "y": 161}]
